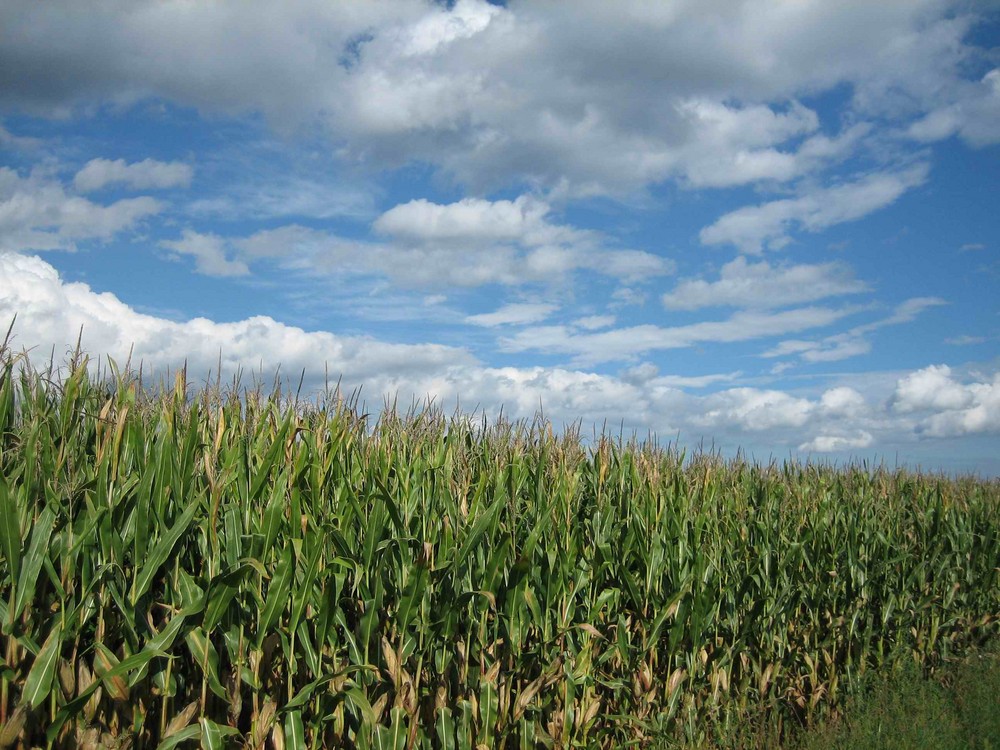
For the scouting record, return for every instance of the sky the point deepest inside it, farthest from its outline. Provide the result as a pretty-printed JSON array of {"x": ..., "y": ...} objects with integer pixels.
[{"x": 770, "y": 227}]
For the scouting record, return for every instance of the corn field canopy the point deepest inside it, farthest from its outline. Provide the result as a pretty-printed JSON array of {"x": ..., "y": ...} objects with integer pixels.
[{"x": 225, "y": 568}]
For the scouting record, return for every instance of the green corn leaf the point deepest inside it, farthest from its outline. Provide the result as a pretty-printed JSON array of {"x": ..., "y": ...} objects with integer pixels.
[
  {"x": 39, "y": 680},
  {"x": 192, "y": 732},
  {"x": 224, "y": 587},
  {"x": 161, "y": 643},
  {"x": 277, "y": 592},
  {"x": 304, "y": 591},
  {"x": 274, "y": 514},
  {"x": 295, "y": 736},
  {"x": 212, "y": 734},
  {"x": 161, "y": 552},
  {"x": 478, "y": 531},
  {"x": 207, "y": 658},
  {"x": 413, "y": 595},
  {"x": 37, "y": 552},
  {"x": 10, "y": 531},
  {"x": 444, "y": 729}
]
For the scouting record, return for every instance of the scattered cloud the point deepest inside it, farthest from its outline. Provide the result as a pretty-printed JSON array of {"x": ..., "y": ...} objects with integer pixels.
[
  {"x": 843, "y": 401},
  {"x": 209, "y": 253},
  {"x": 36, "y": 213},
  {"x": 49, "y": 310},
  {"x": 622, "y": 344},
  {"x": 143, "y": 175},
  {"x": 854, "y": 341},
  {"x": 836, "y": 443},
  {"x": 754, "y": 409},
  {"x": 17, "y": 142},
  {"x": 973, "y": 114},
  {"x": 648, "y": 374},
  {"x": 769, "y": 225},
  {"x": 966, "y": 340},
  {"x": 949, "y": 407},
  {"x": 760, "y": 285},
  {"x": 476, "y": 220},
  {"x": 517, "y": 313},
  {"x": 466, "y": 244},
  {"x": 929, "y": 403},
  {"x": 595, "y": 322},
  {"x": 279, "y": 196},
  {"x": 415, "y": 162},
  {"x": 617, "y": 100}
]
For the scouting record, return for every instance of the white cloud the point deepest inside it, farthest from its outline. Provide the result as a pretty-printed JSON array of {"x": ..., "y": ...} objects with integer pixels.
[
  {"x": 142, "y": 175},
  {"x": 276, "y": 195},
  {"x": 629, "y": 343},
  {"x": 622, "y": 97},
  {"x": 949, "y": 407},
  {"x": 437, "y": 30},
  {"x": 625, "y": 296},
  {"x": 930, "y": 389},
  {"x": 835, "y": 443},
  {"x": 50, "y": 310},
  {"x": 648, "y": 375},
  {"x": 974, "y": 115},
  {"x": 595, "y": 322},
  {"x": 854, "y": 341},
  {"x": 36, "y": 213},
  {"x": 769, "y": 225},
  {"x": 843, "y": 401},
  {"x": 517, "y": 313},
  {"x": 209, "y": 253},
  {"x": 466, "y": 244},
  {"x": 755, "y": 409},
  {"x": 966, "y": 340},
  {"x": 475, "y": 220},
  {"x": 17, "y": 142},
  {"x": 759, "y": 285},
  {"x": 50, "y": 313}
]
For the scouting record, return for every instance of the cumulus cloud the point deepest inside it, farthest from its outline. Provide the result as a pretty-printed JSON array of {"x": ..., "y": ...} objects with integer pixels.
[
  {"x": 843, "y": 401},
  {"x": 974, "y": 115},
  {"x": 931, "y": 389},
  {"x": 835, "y": 443},
  {"x": 948, "y": 406},
  {"x": 49, "y": 311},
  {"x": 755, "y": 409},
  {"x": 769, "y": 225},
  {"x": 36, "y": 213},
  {"x": 465, "y": 244},
  {"x": 936, "y": 401},
  {"x": 142, "y": 175},
  {"x": 473, "y": 220},
  {"x": 209, "y": 253},
  {"x": 760, "y": 285},
  {"x": 621, "y": 98}
]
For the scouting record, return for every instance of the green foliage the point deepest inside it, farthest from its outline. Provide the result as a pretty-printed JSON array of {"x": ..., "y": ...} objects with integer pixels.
[
  {"x": 958, "y": 707},
  {"x": 229, "y": 568}
]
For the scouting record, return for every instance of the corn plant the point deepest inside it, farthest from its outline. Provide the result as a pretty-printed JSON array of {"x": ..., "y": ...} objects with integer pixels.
[{"x": 227, "y": 567}]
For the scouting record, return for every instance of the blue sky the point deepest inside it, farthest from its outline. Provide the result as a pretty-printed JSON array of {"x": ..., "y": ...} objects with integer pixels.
[{"x": 762, "y": 225}]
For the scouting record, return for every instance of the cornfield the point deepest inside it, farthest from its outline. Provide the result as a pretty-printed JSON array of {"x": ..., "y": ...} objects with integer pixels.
[{"x": 231, "y": 567}]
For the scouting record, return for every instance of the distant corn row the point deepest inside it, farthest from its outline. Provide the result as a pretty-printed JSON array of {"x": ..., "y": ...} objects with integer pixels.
[{"x": 225, "y": 568}]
